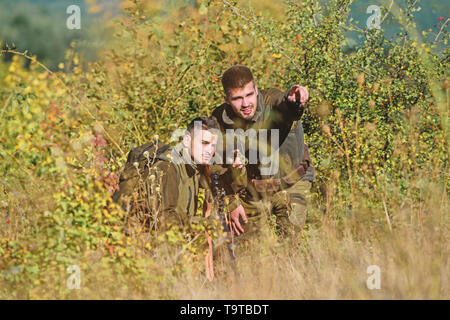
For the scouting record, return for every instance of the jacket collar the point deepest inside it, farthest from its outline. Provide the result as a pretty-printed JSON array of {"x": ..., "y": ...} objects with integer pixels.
[
  {"x": 181, "y": 156},
  {"x": 259, "y": 108}
]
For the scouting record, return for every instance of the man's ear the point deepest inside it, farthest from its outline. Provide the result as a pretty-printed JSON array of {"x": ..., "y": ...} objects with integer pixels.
[{"x": 187, "y": 140}]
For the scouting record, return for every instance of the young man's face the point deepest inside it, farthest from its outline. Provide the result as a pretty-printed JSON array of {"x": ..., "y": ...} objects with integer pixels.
[
  {"x": 202, "y": 146},
  {"x": 243, "y": 100}
]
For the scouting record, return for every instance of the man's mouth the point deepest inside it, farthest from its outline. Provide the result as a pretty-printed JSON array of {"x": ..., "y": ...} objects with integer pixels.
[{"x": 247, "y": 111}]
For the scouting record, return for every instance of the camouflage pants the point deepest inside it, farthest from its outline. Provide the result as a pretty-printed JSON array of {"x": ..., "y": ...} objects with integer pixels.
[{"x": 288, "y": 207}]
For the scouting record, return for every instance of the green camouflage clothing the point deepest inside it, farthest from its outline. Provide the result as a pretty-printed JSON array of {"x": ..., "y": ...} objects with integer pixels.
[{"x": 289, "y": 190}]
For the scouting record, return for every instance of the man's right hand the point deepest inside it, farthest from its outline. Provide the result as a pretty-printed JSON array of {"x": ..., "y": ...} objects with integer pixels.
[
  {"x": 298, "y": 94},
  {"x": 239, "y": 159},
  {"x": 236, "y": 226}
]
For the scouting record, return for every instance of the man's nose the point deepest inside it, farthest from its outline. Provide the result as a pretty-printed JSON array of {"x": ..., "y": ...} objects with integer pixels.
[
  {"x": 245, "y": 102},
  {"x": 210, "y": 149}
]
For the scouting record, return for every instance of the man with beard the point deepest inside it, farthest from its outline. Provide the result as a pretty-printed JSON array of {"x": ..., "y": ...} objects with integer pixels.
[{"x": 247, "y": 108}]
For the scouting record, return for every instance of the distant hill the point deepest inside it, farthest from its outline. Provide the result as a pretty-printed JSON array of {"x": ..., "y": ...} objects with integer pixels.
[{"x": 40, "y": 25}]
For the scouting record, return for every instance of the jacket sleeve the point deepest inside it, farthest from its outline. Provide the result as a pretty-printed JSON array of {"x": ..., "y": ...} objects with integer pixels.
[
  {"x": 236, "y": 178},
  {"x": 167, "y": 181},
  {"x": 278, "y": 100}
]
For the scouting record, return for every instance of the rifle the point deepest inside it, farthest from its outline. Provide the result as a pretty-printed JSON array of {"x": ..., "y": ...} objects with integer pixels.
[{"x": 219, "y": 198}]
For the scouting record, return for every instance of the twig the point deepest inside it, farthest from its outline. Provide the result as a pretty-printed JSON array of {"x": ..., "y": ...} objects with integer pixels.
[
  {"x": 337, "y": 143},
  {"x": 388, "y": 11},
  {"x": 185, "y": 71},
  {"x": 443, "y": 59},
  {"x": 186, "y": 246},
  {"x": 314, "y": 20},
  {"x": 355, "y": 27},
  {"x": 440, "y": 31},
  {"x": 408, "y": 13},
  {"x": 5, "y": 105},
  {"x": 387, "y": 216},
  {"x": 364, "y": 71}
]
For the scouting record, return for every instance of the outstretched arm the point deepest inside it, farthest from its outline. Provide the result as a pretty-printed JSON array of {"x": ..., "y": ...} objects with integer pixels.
[{"x": 288, "y": 105}]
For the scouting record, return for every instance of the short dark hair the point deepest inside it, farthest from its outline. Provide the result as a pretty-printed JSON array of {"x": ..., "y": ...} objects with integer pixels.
[
  {"x": 207, "y": 123},
  {"x": 236, "y": 77}
]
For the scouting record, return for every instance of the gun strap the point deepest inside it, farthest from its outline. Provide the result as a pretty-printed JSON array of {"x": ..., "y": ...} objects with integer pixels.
[{"x": 273, "y": 185}]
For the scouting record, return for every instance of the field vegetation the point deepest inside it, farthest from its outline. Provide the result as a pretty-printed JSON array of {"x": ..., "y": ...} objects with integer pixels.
[{"x": 377, "y": 126}]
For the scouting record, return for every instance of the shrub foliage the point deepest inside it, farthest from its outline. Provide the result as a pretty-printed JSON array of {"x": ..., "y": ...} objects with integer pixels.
[{"x": 377, "y": 127}]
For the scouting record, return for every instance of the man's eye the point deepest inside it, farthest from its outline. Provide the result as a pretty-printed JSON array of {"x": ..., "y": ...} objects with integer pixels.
[{"x": 250, "y": 94}]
